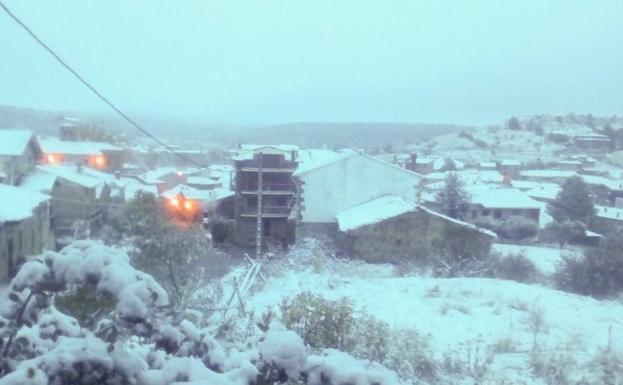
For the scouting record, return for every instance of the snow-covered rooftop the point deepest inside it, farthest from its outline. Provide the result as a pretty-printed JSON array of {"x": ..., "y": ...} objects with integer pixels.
[
  {"x": 196, "y": 194},
  {"x": 199, "y": 180},
  {"x": 39, "y": 182},
  {"x": 373, "y": 211},
  {"x": 18, "y": 203},
  {"x": 56, "y": 146},
  {"x": 544, "y": 191},
  {"x": 247, "y": 151},
  {"x": 548, "y": 173},
  {"x": 609, "y": 212},
  {"x": 71, "y": 174},
  {"x": 315, "y": 158},
  {"x": 386, "y": 207},
  {"x": 602, "y": 181},
  {"x": 153, "y": 176},
  {"x": 501, "y": 198},
  {"x": 13, "y": 142}
]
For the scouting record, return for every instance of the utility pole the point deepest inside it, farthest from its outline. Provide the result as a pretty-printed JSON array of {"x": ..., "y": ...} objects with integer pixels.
[{"x": 258, "y": 226}]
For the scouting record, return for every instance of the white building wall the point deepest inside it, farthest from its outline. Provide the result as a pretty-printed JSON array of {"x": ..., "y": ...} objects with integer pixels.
[{"x": 335, "y": 187}]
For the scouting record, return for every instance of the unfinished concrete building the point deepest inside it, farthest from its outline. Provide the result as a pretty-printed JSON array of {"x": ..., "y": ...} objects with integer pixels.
[{"x": 265, "y": 196}]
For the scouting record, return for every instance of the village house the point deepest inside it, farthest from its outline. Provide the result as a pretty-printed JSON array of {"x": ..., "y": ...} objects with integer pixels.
[
  {"x": 500, "y": 203},
  {"x": 339, "y": 181},
  {"x": 193, "y": 203},
  {"x": 78, "y": 201},
  {"x": 487, "y": 165},
  {"x": 19, "y": 153},
  {"x": 608, "y": 217},
  {"x": 544, "y": 192},
  {"x": 604, "y": 190},
  {"x": 509, "y": 167},
  {"x": 592, "y": 142},
  {"x": 265, "y": 194},
  {"x": 24, "y": 227},
  {"x": 415, "y": 163},
  {"x": 572, "y": 165},
  {"x": 162, "y": 178},
  {"x": 547, "y": 175},
  {"x": 98, "y": 155},
  {"x": 390, "y": 228},
  {"x": 203, "y": 183}
]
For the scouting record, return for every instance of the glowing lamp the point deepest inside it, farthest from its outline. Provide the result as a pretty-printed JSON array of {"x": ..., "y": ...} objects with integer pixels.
[
  {"x": 100, "y": 160},
  {"x": 51, "y": 158},
  {"x": 188, "y": 205},
  {"x": 175, "y": 202}
]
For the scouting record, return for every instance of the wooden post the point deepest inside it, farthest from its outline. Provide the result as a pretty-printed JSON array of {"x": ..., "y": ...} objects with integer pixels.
[{"x": 258, "y": 227}]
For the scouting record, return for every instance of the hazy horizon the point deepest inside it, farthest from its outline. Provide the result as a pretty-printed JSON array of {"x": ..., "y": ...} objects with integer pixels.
[{"x": 280, "y": 62}]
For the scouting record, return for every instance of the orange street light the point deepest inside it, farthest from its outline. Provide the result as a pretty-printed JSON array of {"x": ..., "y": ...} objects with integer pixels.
[
  {"x": 188, "y": 205},
  {"x": 100, "y": 161}
]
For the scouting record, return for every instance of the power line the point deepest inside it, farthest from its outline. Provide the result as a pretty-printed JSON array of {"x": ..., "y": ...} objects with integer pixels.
[{"x": 93, "y": 89}]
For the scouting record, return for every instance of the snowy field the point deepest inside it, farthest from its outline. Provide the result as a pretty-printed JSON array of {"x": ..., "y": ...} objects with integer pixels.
[
  {"x": 545, "y": 259},
  {"x": 504, "y": 323}
]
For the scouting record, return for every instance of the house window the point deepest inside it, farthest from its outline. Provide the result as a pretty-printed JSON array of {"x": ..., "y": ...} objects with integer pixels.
[
  {"x": 485, "y": 212},
  {"x": 497, "y": 214}
]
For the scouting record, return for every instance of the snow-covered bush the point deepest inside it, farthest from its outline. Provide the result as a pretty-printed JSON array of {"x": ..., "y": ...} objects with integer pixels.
[
  {"x": 514, "y": 267},
  {"x": 515, "y": 228},
  {"x": 410, "y": 356},
  {"x": 599, "y": 273},
  {"x": 322, "y": 323},
  {"x": 338, "y": 368},
  {"x": 284, "y": 350}
]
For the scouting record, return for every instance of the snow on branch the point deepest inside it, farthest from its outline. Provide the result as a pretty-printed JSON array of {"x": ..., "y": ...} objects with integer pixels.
[{"x": 90, "y": 262}]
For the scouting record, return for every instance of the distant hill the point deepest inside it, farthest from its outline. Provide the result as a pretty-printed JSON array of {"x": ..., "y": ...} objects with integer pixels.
[
  {"x": 307, "y": 134},
  {"x": 197, "y": 134},
  {"x": 42, "y": 122},
  {"x": 526, "y": 138},
  {"x": 362, "y": 134}
]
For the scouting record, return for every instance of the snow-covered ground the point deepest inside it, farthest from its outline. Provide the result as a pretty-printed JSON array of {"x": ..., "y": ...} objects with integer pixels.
[{"x": 463, "y": 317}]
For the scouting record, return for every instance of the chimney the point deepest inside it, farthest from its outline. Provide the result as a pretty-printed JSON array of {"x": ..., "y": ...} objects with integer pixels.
[{"x": 79, "y": 168}]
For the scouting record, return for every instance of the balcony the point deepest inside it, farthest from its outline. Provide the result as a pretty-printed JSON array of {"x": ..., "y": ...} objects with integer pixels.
[
  {"x": 268, "y": 188},
  {"x": 267, "y": 212},
  {"x": 252, "y": 165}
]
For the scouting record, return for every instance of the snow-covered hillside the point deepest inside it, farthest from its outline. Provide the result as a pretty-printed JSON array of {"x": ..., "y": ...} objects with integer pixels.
[
  {"x": 531, "y": 140},
  {"x": 502, "y": 325}
]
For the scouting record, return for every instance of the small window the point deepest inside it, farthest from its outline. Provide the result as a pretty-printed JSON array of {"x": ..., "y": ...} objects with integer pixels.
[
  {"x": 485, "y": 212},
  {"x": 497, "y": 214}
]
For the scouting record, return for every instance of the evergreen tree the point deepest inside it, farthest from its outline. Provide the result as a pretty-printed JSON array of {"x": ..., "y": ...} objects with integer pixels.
[
  {"x": 513, "y": 124},
  {"x": 452, "y": 200},
  {"x": 573, "y": 202},
  {"x": 563, "y": 232}
]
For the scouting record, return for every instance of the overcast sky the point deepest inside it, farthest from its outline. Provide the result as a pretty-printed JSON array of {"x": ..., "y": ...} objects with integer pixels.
[{"x": 268, "y": 61}]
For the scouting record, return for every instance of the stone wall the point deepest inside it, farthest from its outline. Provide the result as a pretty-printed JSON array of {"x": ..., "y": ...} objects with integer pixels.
[
  {"x": 24, "y": 238},
  {"x": 417, "y": 236},
  {"x": 316, "y": 230}
]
